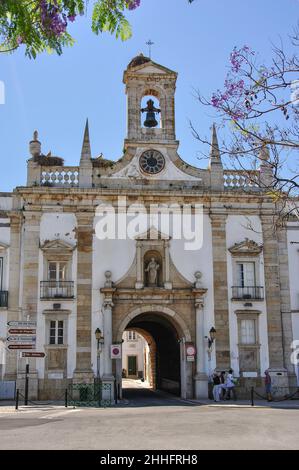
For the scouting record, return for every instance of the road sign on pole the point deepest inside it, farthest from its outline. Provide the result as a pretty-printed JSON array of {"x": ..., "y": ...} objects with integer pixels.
[
  {"x": 21, "y": 346},
  {"x": 116, "y": 351},
  {"x": 22, "y": 324},
  {"x": 21, "y": 339},
  {"x": 22, "y": 331},
  {"x": 33, "y": 354}
]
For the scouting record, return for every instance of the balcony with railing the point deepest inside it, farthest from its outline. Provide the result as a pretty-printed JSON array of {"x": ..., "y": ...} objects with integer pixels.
[
  {"x": 56, "y": 290},
  {"x": 241, "y": 179},
  {"x": 247, "y": 293},
  {"x": 3, "y": 298},
  {"x": 60, "y": 176}
]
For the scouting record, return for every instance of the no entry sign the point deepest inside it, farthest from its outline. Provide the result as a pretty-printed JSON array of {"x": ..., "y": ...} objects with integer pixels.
[
  {"x": 190, "y": 352},
  {"x": 116, "y": 351}
]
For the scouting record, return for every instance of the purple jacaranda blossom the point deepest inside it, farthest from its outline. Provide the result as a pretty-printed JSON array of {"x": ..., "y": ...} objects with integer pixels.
[
  {"x": 133, "y": 4},
  {"x": 53, "y": 20}
]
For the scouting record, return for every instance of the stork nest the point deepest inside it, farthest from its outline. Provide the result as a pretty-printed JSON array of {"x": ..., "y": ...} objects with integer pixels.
[{"x": 46, "y": 160}]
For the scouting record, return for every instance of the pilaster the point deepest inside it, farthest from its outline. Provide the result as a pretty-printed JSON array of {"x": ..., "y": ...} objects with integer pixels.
[
  {"x": 272, "y": 290},
  {"x": 286, "y": 315},
  {"x": 14, "y": 309},
  {"x": 221, "y": 290},
  {"x": 201, "y": 378},
  {"x": 83, "y": 371},
  {"x": 31, "y": 264}
]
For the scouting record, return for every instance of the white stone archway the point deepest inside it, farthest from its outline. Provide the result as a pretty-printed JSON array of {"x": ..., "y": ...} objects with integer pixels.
[{"x": 183, "y": 332}]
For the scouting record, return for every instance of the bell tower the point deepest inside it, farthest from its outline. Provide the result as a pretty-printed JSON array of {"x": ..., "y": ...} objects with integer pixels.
[{"x": 154, "y": 122}]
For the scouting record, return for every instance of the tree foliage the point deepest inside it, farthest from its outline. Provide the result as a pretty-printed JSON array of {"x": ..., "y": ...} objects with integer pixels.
[
  {"x": 259, "y": 109},
  {"x": 41, "y": 25}
]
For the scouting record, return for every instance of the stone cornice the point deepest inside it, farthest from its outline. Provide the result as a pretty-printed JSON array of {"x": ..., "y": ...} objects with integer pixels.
[
  {"x": 98, "y": 191},
  {"x": 157, "y": 294}
]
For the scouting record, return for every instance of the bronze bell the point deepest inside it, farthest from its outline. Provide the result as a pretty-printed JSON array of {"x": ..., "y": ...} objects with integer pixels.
[
  {"x": 150, "y": 111},
  {"x": 150, "y": 120}
]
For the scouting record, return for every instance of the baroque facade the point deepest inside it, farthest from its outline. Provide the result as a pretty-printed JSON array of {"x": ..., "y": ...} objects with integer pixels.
[{"x": 57, "y": 271}]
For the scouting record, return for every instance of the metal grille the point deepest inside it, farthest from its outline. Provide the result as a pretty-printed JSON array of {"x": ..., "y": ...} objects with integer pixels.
[
  {"x": 94, "y": 395},
  {"x": 248, "y": 293},
  {"x": 3, "y": 298},
  {"x": 57, "y": 290}
]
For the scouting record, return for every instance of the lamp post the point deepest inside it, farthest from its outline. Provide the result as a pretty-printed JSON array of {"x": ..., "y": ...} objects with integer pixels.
[
  {"x": 100, "y": 341},
  {"x": 212, "y": 337}
]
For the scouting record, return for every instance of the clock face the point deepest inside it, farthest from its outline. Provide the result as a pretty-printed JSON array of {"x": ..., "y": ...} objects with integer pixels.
[{"x": 152, "y": 162}]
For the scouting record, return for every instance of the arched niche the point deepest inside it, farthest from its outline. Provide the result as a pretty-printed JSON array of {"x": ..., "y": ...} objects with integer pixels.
[{"x": 148, "y": 257}]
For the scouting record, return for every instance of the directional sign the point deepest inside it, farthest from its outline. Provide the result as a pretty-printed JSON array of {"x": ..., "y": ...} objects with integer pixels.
[
  {"x": 21, "y": 331},
  {"x": 22, "y": 324},
  {"x": 21, "y": 339},
  {"x": 21, "y": 346},
  {"x": 33, "y": 354}
]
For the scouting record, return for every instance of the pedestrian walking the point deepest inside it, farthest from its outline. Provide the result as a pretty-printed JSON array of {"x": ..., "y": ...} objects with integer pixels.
[
  {"x": 216, "y": 387},
  {"x": 268, "y": 385},
  {"x": 230, "y": 384},
  {"x": 222, "y": 382}
]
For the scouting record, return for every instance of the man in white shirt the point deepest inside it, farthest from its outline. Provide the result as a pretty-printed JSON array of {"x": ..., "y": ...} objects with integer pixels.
[{"x": 230, "y": 385}]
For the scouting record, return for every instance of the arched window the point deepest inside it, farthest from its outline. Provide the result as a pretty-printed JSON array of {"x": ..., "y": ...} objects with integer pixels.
[{"x": 150, "y": 111}]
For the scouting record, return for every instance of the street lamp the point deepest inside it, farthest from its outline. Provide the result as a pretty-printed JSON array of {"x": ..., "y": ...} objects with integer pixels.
[
  {"x": 100, "y": 341},
  {"x": 211, "y": 338}
]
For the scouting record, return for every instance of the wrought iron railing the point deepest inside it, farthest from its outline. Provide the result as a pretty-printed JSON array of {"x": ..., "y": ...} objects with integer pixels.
[
  {"x": 97, "y": 394},
  {"x": 57, "y": 290},
  {"x": 3, "y": 298},
  {"x": 248, "y": 293}
]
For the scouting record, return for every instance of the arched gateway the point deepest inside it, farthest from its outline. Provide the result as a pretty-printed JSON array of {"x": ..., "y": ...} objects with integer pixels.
[
  {"x": 167, "y": 334},
  {"x": 170, "y": 319}
]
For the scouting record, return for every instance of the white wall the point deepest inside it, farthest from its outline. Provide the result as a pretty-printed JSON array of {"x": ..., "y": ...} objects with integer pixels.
[
  {"x": 5, "y": 204},
  {"x": 187, "y": 263},
  {"x": 293, "y": 252},
  {"x": 5, "y": 240},
  {"x": 295, "y": 325},
  {"x": 133, "y": 348},
  {"x": 117, "y": 256},
  {"x": 58, "y": 226},
  {"x": 237, "y": 229}
]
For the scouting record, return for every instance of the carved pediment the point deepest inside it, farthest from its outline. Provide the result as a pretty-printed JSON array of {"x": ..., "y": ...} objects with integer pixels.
[
  {"x": 247, "y": 247},
  {"x": 57, "y": 246},
  {"x": 150, "y": 68},
  {"x": 153, "y": 234},
  {"x": 3, "y": 247}
]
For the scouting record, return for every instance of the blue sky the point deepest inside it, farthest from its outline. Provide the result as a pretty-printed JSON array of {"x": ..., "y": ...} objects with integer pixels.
[{"x": 55, "y": 94}]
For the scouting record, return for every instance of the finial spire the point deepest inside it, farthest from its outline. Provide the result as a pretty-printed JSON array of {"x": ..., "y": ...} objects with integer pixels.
[
  {"x": 35, "y": 145},
  {"x": 86, "y": 150},
  {"x": 215, "y": 152}
]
